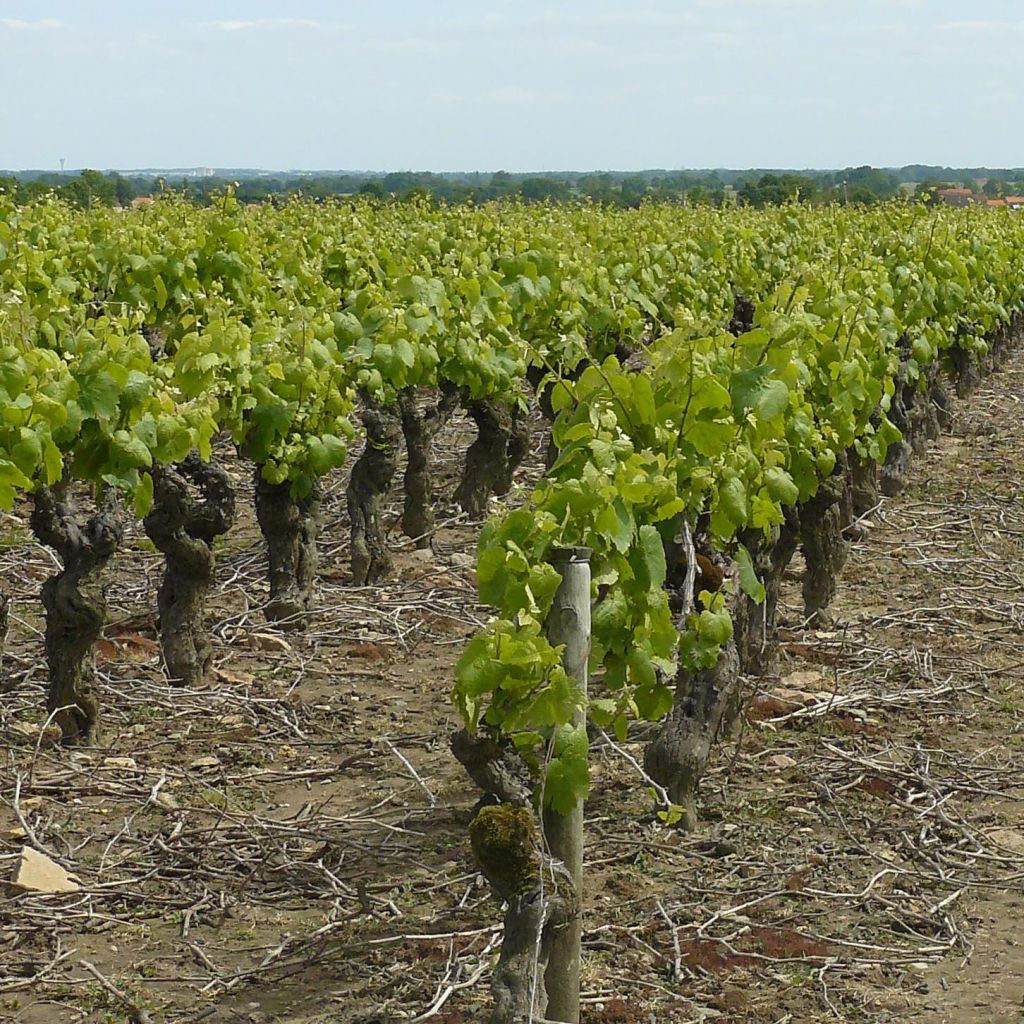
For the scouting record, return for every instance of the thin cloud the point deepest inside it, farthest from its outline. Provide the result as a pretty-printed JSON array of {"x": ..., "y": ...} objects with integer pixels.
[
  {"x": 42, "y": 25},
  {"x": 983, "y": 27},
  {"x": 516, "y": 96},
  {"x": 260, "y": 24},
  {"x": 763, "y": 5}
]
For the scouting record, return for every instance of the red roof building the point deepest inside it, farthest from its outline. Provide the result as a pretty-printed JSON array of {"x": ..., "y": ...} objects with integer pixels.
[{"x": 956, "y": 196}]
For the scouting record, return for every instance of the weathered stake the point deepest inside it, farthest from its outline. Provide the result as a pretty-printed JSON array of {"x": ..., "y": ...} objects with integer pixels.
[{"x": 569, "y": 624}]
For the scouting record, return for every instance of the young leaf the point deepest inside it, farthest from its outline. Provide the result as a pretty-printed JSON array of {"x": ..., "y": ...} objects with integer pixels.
[{"x": 752, "y": 586}]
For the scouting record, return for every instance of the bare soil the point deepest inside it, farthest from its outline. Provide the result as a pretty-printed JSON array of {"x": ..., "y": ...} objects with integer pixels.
[{"x": 289, "y": 844}]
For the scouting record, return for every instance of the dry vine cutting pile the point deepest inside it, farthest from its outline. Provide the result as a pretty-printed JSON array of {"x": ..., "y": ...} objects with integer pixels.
[{"x": 288, "y": 843}]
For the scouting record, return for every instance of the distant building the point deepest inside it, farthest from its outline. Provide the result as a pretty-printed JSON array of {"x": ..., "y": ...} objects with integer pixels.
[
  {"x": 141, "y": 201},
  {"x": 1015, "y": 202},
  {"x": 956, "y": 196},
  {"x": 995, "y": 202}
]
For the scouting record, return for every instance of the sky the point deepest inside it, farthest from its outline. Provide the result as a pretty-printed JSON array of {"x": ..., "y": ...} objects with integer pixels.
[{"x": 510, "y": 84}]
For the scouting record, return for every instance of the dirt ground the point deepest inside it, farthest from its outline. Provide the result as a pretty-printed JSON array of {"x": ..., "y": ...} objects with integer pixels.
[{"x": 289, "y": 843}]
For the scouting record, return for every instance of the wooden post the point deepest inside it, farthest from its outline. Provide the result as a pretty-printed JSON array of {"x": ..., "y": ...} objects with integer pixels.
[{"x": 569, "y": 623}]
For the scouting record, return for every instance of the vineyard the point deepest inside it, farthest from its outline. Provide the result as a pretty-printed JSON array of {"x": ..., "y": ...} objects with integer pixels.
[{"x": 318, "y": 517}]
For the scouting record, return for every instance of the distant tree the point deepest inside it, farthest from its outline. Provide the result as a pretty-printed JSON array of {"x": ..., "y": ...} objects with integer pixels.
[
  {"x": 538, "y": 189},
  {"x": 881, "y": 184},
  {"x": 399, "y": 182},
  {"x": 124, "y": 191},
  {"x": 90, "y": 188},
  {"x": 860, "y": 195},
  {"x": 30, "y": 190},
  {"x": 699, "y": 194},
  {"x": 418, "y": 194},
  {"x": 928, "y": 192},
  {"x": 599, "y": 187},
  {"x": 774, "y": 189},
  {"x": 634, "y": 190}
]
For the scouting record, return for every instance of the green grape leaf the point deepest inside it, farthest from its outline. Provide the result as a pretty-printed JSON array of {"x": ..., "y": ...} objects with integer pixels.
[
  {"x": 648, "y": 558},
  {"x": 711, "y": 438},
  {"x": 143, "y": 498},
  {"x": 567, "y": 780},
  {"x": 130, "y": 450},
  {"x": 136, "y": 389},
  {"x": 615, "y": 521},
  {"x": 27, "y": 451},
  {"x": 641, "y": 668},
  {"x": 98, "y": 395},
  {"x": 780, "y": 486},
  {"x": 53, "y": 462},
  {"x": 732, "y": 500},
  {"x": 653, "y": 702},
  {"x": 757, "y": 391},
  {"x": 749, "y": 582}
]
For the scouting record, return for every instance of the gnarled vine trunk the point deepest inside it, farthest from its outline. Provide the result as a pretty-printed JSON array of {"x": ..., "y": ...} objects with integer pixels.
[
  {"x": 750, "y": 620},
  {"x": 183, "y": 525},
  {"x": 289, "y": 527},
  {"x": 758, "y": 648},
  {"x": 1002, "y": 342},
  {"x": 75, "y": 603},
  {"x": 825, "y": 548},
  {"x": 544, "y": 390},
  {"x": 743, "y": 311},
  {"x": 916, "y": 404},
  {"x": 966, "y": 371},
  {"x": 941, "y": 402},
  {"x": 5, "y": 624},
  {"x": 495, "y": 766},
  {"x": 369, "y": 485},
  {"x": 895, "y": 471},
  {"x": 420, "y": 428},
  {"x": 783, "y": 549},
  {"x": 517, "y": 450},
  {"x": 501, "y": 445},
  {"x": 921, "y": 410},
  {"x": 541, "y": 900},
  {"x": 863, "y": 482},
  {"x": 705, "y": 701},
  {"x": 931, "y": 404},
  {"x": 677, "y": 757}
]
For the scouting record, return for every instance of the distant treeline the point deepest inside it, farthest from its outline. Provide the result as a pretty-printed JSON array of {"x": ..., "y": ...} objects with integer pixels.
[{"x": 861, "y": 185}]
